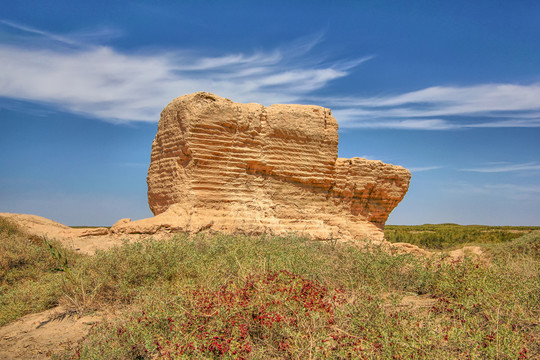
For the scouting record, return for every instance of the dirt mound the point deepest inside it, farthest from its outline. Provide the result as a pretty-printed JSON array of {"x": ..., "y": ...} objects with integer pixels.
[
  {"x": 83, "y": 240},
  {"x": 36, "y": 336}
]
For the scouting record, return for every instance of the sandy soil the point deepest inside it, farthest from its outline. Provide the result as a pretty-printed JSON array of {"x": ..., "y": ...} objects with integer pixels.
[
  {"x": 473, "y": 251},
  {"x": 35, "y": 336},
  {"x": 83, "y": 240}
]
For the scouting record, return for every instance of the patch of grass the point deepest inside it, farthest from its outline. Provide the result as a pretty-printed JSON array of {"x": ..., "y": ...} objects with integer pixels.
[
  {"x": 526, "y": 246},
  {"x": 209, "y": 261},
  {"x": 444, "y": 236},
  {"x": 28, "y": 279},
  {"x": 237, "y": 297},
  {"x": 262, "y": 297}
]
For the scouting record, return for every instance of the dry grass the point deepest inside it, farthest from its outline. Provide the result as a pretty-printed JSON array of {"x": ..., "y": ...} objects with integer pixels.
[{"x": 262, "y": 297}]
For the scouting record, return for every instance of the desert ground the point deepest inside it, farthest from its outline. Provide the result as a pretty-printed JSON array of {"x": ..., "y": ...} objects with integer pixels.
[{"x": 87, "y": 293}]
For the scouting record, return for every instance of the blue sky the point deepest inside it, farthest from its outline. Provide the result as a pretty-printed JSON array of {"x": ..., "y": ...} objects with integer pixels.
[{"x": 447, "y": 89}]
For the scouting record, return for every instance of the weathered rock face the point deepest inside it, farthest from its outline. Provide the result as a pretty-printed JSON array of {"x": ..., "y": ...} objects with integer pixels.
[{"x": 247, "y": 168}]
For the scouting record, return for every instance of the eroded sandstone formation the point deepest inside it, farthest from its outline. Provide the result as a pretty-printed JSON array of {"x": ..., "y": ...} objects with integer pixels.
[{"x": 247, "y": 168}]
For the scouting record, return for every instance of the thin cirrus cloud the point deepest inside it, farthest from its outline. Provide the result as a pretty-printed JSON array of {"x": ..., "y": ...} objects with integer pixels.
[
  {"x": 513, "y": 191},
  {"x": 21, "y": 33},
  {"x": 444, "y": 108},
  {"x": 70, "y": 72},
  {"x": 425, "y": 168},
  {"x": 499, "y": 168},
  {"x": 102, "y": 82},
  {"x": 31, "y": 30}
]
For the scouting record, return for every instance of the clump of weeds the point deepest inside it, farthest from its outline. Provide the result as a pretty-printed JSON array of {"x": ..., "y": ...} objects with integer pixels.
[
  {"x": 28, "y": 281},
  {"x": 254, "y": 298},
  {"x": 239, "y": 297}
]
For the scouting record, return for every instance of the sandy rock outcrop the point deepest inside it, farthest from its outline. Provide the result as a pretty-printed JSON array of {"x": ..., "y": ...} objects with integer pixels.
[
  {"x": 40, "y": 226},
  {"x": 247, "y": 168},
  {"x": 85, "y": 240}
]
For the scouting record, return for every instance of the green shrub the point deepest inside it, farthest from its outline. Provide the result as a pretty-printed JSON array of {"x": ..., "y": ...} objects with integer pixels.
[
  {"x": 444, "y": 236},
  {"x": 28, "y": 279},
  {"x": 240, "y": 297},
  {"x": 237, "y": 297}
]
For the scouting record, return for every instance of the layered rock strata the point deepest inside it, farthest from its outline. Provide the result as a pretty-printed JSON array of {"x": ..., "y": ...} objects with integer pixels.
[{"x": 247, "y": 168}]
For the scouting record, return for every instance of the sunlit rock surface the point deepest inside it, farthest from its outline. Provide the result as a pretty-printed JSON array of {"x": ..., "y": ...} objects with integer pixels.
[{"x": 245, "y": 168}]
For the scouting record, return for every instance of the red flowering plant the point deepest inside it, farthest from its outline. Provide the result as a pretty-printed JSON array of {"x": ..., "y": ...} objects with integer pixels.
[
  {"x": 287, "y": 315},
  {"x": 279, "y": 310}
]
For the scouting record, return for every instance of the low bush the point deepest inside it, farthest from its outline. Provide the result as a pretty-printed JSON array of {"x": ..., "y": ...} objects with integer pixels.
[
  {"x": 239, "y": 297},
  {"x": 29, "y": 281},
  {"x": 258, "y": 298}
]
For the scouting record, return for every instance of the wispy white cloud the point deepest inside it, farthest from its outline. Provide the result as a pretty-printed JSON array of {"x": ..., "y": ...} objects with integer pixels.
[
  {"x": 425, "y": 168},
  {"x": 444, "y": 108},
  {"x": 102, "y": 82},
  {"x": 46, "y": 34},
  {"x": 511, "y": 191},
  {"x": 466, "y": 100},
  {"x": 512, "y": 123},
  {"x": 406, "y": 124},
  {"x": 105, "y": 83},
  {"x": 497, "y": 168},
  {"x": 75, "y": 39}
]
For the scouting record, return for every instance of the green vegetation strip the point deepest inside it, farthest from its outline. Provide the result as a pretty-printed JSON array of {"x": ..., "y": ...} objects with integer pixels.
[
  {"x": 263, "y": 297},
  {"x": 445, "y": 236}
]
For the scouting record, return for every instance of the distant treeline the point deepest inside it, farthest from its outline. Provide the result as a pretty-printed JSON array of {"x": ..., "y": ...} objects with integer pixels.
[{"x": 442, "y": 236}]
